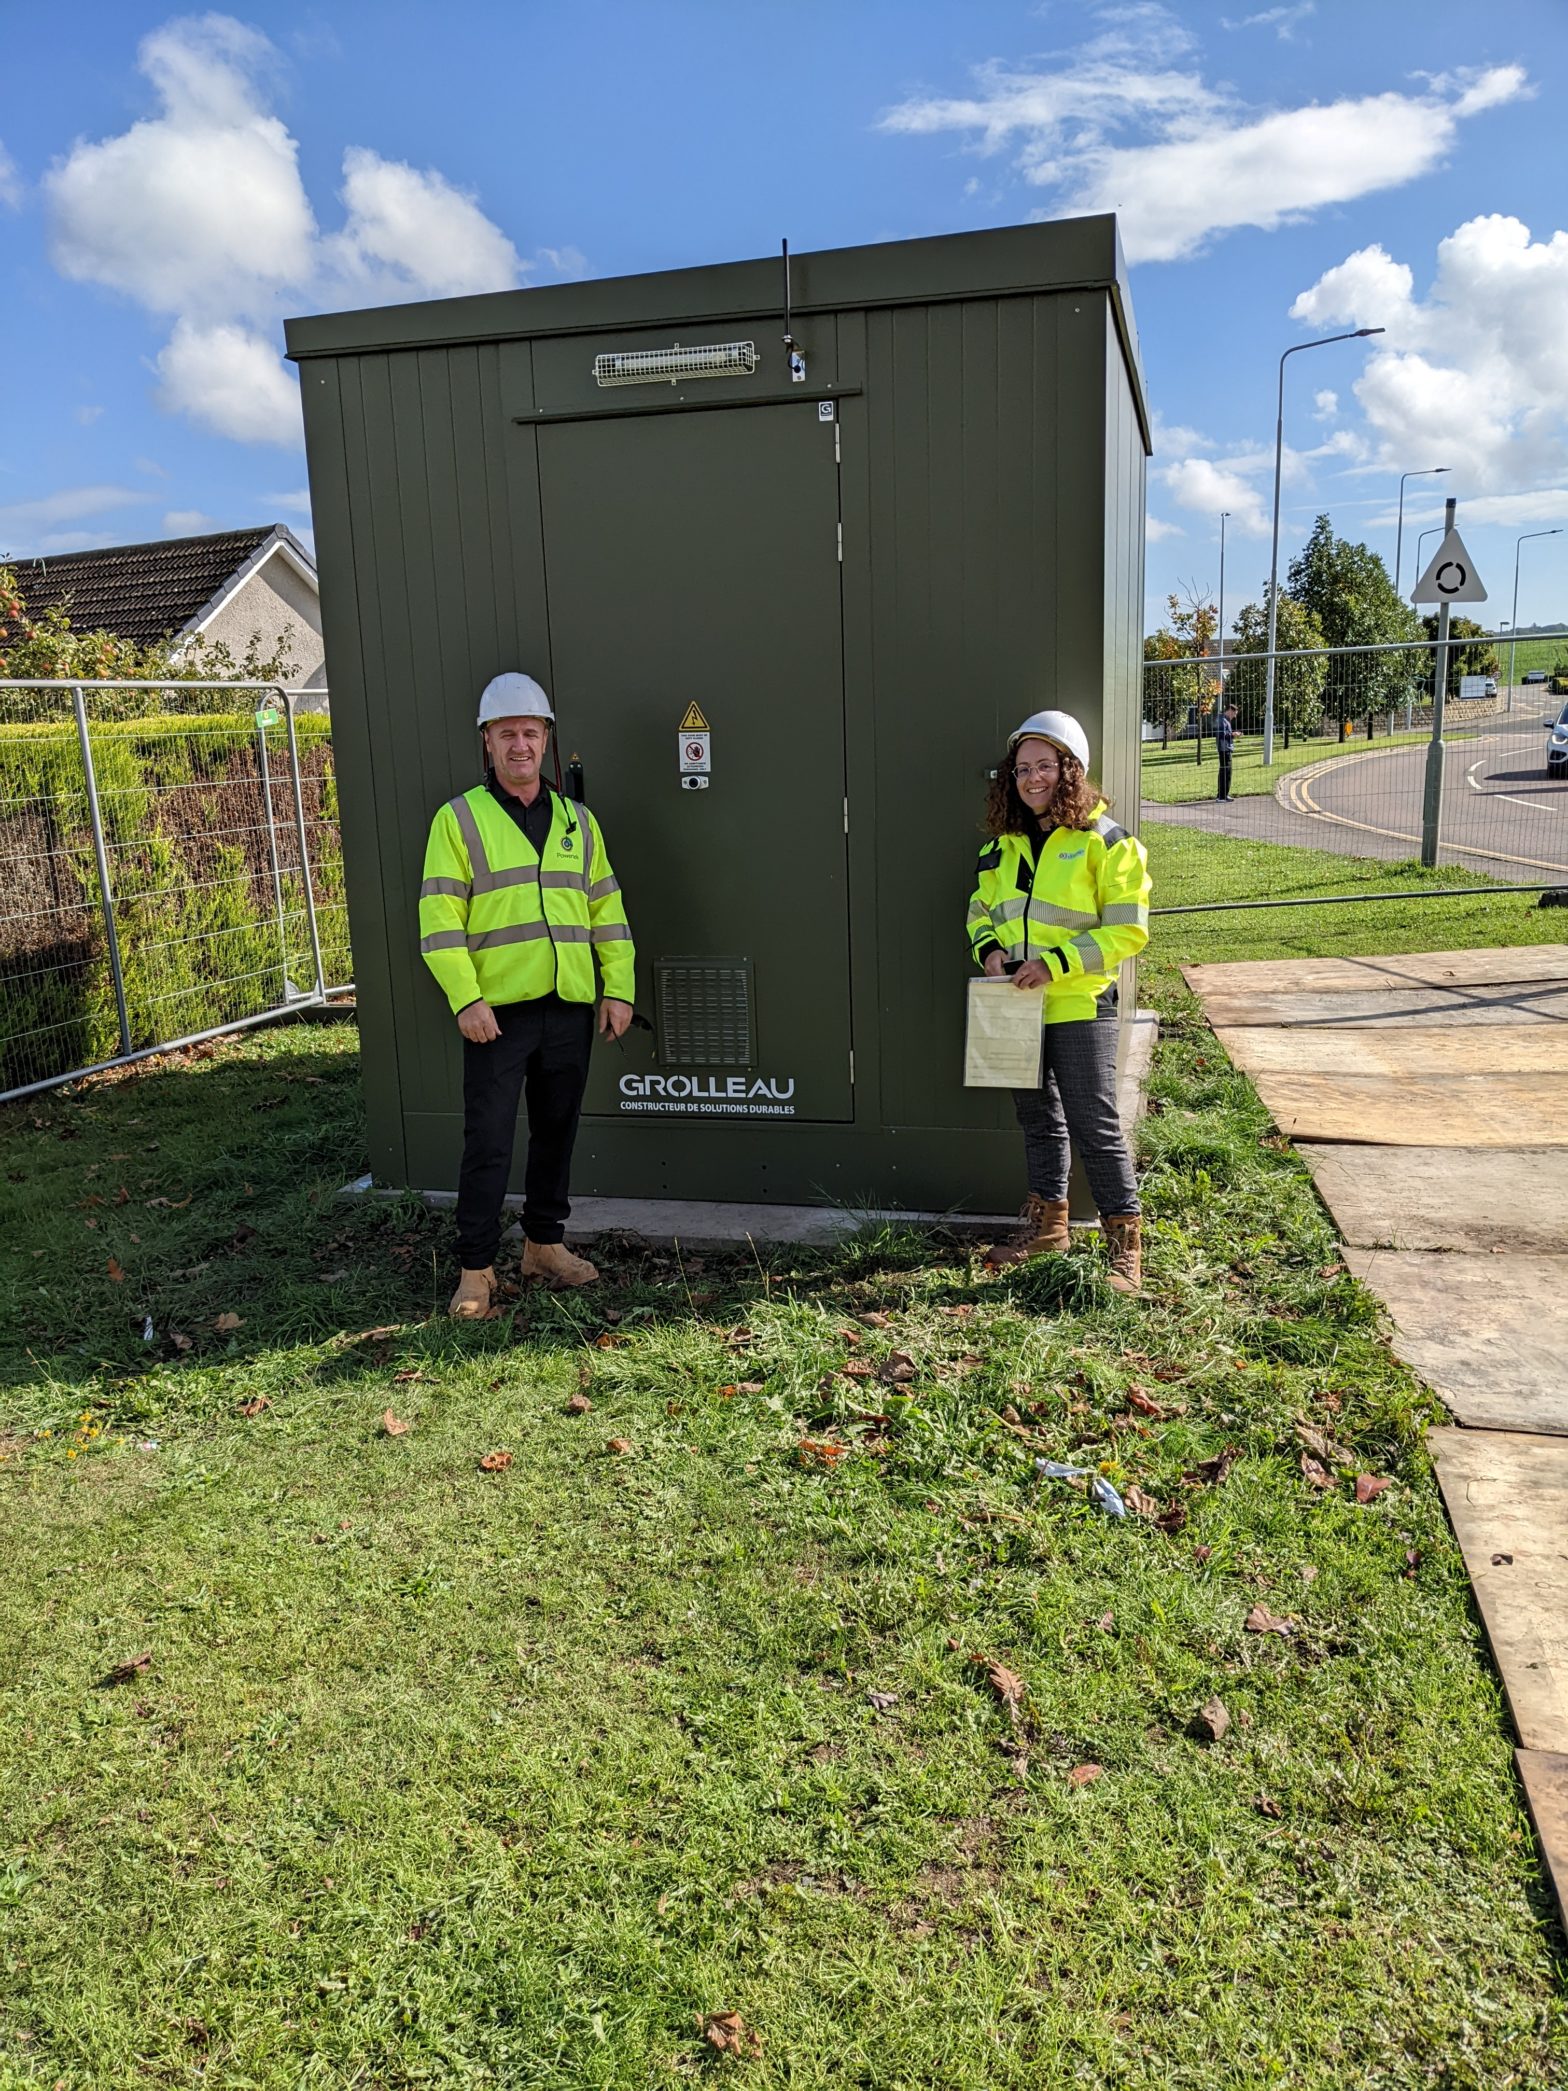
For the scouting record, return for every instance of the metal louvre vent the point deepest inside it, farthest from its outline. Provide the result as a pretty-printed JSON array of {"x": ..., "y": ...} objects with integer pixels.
[
  {"x": 704, "y": 1010},
  {"x": 720, "y": 359}
]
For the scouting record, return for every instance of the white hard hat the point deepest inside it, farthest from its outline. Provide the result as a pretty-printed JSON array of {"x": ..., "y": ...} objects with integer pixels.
[
  {"x": 1061, "y": 729},
  {"x": 513, "y": 696}
]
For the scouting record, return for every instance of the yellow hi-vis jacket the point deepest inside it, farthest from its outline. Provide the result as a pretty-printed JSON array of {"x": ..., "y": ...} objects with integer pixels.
[
  {"x": 499, "y": 923},
  {"x": 1076, "y": 899}
]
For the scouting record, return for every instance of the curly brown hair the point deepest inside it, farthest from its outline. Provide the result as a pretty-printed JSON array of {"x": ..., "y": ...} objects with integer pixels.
[{"x": 1073, "y": 805}]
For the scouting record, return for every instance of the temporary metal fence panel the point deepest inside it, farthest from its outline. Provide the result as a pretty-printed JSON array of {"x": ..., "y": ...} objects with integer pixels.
[
  {"x": 1357, "y": 771},
  {"x": 170, "y": 869}
]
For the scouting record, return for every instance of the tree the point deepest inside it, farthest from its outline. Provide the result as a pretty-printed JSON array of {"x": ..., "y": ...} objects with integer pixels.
[
  {"x": 1471, "y": 659},
  {"x": 1347, "y": 589},
  {"x": 50, "y": 646},
  {"x": 1171, "y": 693},
  {"x": 1298, "y": 684}
]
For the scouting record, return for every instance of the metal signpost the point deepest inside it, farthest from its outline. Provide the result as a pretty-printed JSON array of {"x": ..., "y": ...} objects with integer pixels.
[{"x": 1450, "y": 578}]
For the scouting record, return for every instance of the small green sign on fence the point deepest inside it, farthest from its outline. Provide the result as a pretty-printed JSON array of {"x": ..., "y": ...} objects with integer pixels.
[{"x": 266, "y": 716}]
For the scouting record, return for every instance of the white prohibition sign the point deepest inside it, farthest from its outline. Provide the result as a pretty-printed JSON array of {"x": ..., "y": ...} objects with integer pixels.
[{"x": 696, "y": 753}]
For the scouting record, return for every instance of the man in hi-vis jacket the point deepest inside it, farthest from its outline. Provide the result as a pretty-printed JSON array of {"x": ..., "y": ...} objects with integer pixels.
[{"x": 517, "y": 904}]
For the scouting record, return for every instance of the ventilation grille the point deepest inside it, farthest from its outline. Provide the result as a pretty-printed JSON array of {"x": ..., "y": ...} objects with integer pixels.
[
  {"x": 720, "y": 359},
  {"x": 705, "y": 1012}
]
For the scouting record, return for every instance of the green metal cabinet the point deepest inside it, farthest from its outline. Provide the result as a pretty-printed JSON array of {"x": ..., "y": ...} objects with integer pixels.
[{"x": 857, "y": 582}]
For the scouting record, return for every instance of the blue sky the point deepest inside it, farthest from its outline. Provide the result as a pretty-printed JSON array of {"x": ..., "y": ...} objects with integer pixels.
[{"x": 172, "y": 184}]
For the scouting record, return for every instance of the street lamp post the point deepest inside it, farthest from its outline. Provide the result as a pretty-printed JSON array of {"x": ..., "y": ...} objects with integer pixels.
[
  {"x": 1435, "y": 531},
  {"x": 1399, "y": 537},
  {"x": 1356, "y": 334},
  {"x": 1513, "y": 627}
]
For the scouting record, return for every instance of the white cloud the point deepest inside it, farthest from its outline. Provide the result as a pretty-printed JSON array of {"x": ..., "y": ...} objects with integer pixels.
[
  {"x": 569, "y": 263},
  {"x": 187, "y": 522},
  {"x": 10, "y": 182},
  {"x": 30, "y": 525},
  {"x": 1475, "y": 373},
  {"x": 1127, "y": 122},
  {"x": 229, "y": 380},
  {"x": 1155, "y": 528},
  {"x": 1282, "y": 20},
  {"x": 88, "y": 415},
  {"x": 199, "y": 212},
  {"x": 1325, "y": 405},
  {"x": 1207, "y": 487},
  {"x": 296, "y": 502},
  {"x": 411, "y": 234}
]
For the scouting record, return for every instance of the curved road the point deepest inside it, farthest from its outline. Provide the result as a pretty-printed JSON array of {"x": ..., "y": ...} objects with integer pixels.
[{"x": 1501, "y": 815}]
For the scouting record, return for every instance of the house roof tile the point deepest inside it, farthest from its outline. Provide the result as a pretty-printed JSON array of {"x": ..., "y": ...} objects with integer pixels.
[{"x": 142, "y": 592}]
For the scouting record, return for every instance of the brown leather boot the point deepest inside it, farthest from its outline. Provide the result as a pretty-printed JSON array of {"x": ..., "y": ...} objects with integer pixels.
[
  {"x": 1124, "y": 1239},
  {"x": 475, "y": 1291},
  {"x": 1043, "y": 1233},
  {"x": 556, "y": 1266}
]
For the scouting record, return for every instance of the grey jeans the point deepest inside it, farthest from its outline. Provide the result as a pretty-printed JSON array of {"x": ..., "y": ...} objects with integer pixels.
[{"x": 1075, "y": 1106}]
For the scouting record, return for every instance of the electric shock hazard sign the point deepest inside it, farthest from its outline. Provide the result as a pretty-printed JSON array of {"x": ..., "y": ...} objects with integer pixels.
[{"x": 696, "y": 752}]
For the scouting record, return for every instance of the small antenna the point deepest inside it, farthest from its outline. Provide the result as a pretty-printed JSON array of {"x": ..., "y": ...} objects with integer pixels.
[{"x": 792, "y": 348}]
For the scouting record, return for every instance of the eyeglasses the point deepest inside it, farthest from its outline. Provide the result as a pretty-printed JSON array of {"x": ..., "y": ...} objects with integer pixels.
[{"x": 1027, "y": 770}]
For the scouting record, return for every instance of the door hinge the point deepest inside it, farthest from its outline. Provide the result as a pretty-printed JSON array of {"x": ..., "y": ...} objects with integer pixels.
[
  {"x": 852, "y": 1067},
  {"x": 838, "y": 455},
  {"x": 846, "y": 813},
  {"x": 841, "y": 543}
]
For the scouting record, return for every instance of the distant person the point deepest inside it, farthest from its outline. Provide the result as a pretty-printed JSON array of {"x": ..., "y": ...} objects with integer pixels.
[
  {"x": 1062, "y": 899},
  {"x": 517, "y": 904},
  {"x": 1225, "y": 748}
]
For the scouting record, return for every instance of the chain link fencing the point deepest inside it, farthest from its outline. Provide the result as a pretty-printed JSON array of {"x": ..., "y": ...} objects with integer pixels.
[
  {"x": 1361, "y": 768},
  {"x": 170, "y": 869}
]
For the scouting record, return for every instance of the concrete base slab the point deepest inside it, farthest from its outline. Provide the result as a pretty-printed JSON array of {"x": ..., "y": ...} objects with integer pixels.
[
  {"x": 1411, "y": 969},
  {"x": 1544, "y": 1776},
  {"x": 1461, "y": 1111},
  {"x": 1366, "y": 1049},
  {"x": 1513, "y": 1199},
  {"x": 1487, "y": 1333},
  {"x": 1507, "y": 1498},
  {"x": 1395, "y": 1008}
]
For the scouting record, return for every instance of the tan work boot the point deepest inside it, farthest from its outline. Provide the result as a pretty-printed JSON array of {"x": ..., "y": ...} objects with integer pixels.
[
  {"x": 555, "y": 1264},
  {"x": 475, "y": 1291},
  {"x": 1124, "y": 1239},
  {"x": 1043, "y": 1233}
]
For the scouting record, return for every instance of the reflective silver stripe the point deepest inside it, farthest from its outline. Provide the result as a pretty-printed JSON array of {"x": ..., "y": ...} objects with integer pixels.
[
  {"x": 1061, "y": 918},
  {"x": 514, "y": 875},
  {"x": 1126, "y": 911},
  {"x": 516, "y": 933},
  {"x": 613, "y": 933},
  {"x": 455, "y": 889},
  {"x": 1008, "y": 911},
  {"x": 585, "y": 823},
  {"x": 571, "y": 932},
  {"x": 1091, "y": 954},
  {"x": 463, "y": 814},
  {"x": 562, "y": 878},
  {"x": 444, "y": 940},
  {"x": 601, "y": 889}
]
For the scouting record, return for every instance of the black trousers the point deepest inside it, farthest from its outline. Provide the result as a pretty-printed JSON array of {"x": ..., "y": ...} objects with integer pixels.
[
  {"x": 1075, "y": 1106},
  {"x": 1224, "y": 790},
  {"x": 541, "y": 1058}
]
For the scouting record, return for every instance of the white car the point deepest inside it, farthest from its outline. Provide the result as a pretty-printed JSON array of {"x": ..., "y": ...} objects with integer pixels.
[{"x": 1557, "y": 745}]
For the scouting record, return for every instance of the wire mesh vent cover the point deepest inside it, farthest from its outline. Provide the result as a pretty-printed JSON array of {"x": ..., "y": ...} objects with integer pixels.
[
  {"x": 704, "y": 1008},
  {"x": 667, "y": 366}
]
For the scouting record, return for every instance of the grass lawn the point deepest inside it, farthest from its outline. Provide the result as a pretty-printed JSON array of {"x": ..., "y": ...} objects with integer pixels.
[
  {"x": 421, "y": 1775},
  {"x": 1173, "y": 775}
]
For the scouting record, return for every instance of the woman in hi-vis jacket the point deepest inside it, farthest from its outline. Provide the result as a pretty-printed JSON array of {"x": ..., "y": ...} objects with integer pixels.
[{"x": 1061, "y": 898}]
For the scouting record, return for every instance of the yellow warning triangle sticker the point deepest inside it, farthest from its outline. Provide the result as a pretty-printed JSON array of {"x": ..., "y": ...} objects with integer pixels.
[{"x": 693, "y": 722}]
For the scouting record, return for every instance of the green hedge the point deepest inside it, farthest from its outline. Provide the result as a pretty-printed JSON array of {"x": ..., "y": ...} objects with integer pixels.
[{"x": 196, "y": 905}]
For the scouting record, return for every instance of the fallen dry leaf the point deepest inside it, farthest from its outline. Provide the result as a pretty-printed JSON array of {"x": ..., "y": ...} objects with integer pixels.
[
  {"x": 169, "y": 1204},
  {"x": 1266, "y": 1804},
  {"x": 1371, "y": 1486},
  {"x": 116, "y": 1270},
  {"x": 1085, "y": 1774},
  {"x": 122, "y": 1673},
  {"x": 1172, "y": 1520},
  {"x": 820, "y": 1452},
  {"x": 1260, "y": 1620},
  {"x": 751, "y": 1386},
  {"x": 1502, "y": 1560},
  {"x": 875, "y": 1320},
  {"x": 1209, "y": 1473},
  {"x": 255, "y": 1405},
  {"x": 1007, "y": 1684},
  {"x": 1137, "y": 1399},
  {"x": 226, "y": 1324},
  {"x": 898, "y": 1367},
  {"x": 1211, "y": 1723},
  {"x": 1201, "y": 1554},
  {"x": 857, "y": 1368},
  {"x": 394, "y": 1426},
  {"x": 495, "y": 1462},
  {"x": 398, "y": 1378},
  {"x": 578, "y": 1404},
  {"x": 959, "y": 1312},
  {"x": 729, "y": 2033},
  {"x": 180, "y": 1341},
  {"x": 1328, "y": 1449},
  {"x": 122, "y": 1196},
  {"x": 605, "y": 1340},
  {"x": 619, "y": 1446},
  {"x": 882, "y": 1701},
  {"x": 1319, "y": 1476},
  {"x": 1139, "y": 1502}
]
